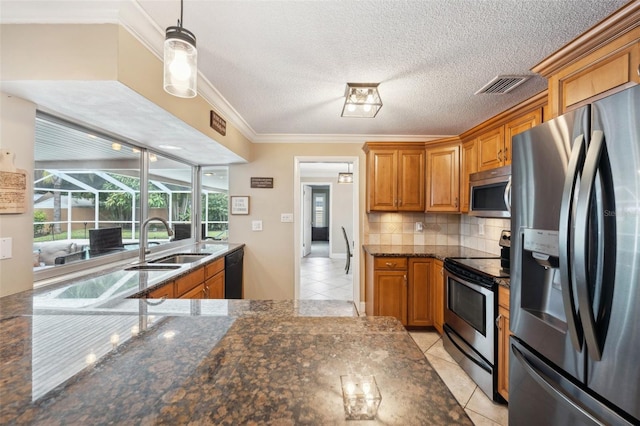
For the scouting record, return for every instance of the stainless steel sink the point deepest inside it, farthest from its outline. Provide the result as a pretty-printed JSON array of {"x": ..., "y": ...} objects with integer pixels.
[
  {"x": 148, "y": 267},
  {"x": 181, "y": 258}
]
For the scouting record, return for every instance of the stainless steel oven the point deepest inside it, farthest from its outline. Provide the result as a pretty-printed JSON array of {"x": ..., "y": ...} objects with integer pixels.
[{"x": 470, "y": 311}]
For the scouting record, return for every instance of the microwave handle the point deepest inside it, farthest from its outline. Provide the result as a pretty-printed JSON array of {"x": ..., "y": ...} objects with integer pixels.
[{"x": 507, "y": 196}]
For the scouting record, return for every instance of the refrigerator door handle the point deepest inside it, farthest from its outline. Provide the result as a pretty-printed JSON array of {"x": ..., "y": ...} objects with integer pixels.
[
  {"x": 507, "y": 196},
  {"x": 556, "y": 393},
  {"x": 567, "y": 279},
  {"x": 582, "y": 245}
]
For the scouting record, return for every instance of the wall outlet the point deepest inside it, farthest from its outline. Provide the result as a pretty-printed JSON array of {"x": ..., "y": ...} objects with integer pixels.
[
  {"x": 286, "y": 217},
  {"x": 418, "y": 227},
  {"x": 256, "y": 225}
]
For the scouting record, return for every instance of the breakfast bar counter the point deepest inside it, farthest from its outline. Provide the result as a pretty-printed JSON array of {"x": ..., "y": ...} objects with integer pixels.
[{"x": 223, "y": 362}]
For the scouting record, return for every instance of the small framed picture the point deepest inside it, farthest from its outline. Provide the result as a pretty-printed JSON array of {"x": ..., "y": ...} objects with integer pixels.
[{"x": 240, "y": 204}]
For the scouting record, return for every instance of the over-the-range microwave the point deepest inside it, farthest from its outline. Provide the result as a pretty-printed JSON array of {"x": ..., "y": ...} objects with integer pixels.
[{"x": 490, "y": 193}]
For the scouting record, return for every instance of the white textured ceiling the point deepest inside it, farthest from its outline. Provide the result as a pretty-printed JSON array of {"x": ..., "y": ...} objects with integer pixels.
[{"x": 281, "y": 66}]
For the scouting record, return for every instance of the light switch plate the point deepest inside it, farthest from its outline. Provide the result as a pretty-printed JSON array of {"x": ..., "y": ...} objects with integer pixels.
[
  {"x": 286, "y": 217},
  {"x": 5, "y": 248},
  {"x": 256, "y": 225}
]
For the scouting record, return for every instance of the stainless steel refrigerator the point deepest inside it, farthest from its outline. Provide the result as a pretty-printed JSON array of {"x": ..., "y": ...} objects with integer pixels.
[{"x": 575, "y": 267}]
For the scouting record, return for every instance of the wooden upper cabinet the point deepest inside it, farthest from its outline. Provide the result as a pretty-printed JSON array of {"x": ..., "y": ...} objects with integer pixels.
[
  {"x": 443, "y": 178},
  {"x": 382, "y": 180},
  {"x": 468, "y": 165},
  {"x": 411, "y": 180},
  {"x": 395, "y": 178},
  {"x": 491, "y": 149},
  {"x": 519, "y": 125},
  {"x": 603, "y": 60}
]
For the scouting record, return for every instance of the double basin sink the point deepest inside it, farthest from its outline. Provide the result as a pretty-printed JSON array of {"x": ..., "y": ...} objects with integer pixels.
[{"x": 173, "y": 261}]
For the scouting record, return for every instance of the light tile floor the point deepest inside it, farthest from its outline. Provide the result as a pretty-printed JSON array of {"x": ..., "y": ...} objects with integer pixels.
[
  {"x": 481, "y": 410},
  {"x": 323, "y": 278}
]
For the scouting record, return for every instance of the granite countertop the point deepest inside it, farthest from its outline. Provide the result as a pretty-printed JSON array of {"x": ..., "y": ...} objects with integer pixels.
[
  {"x": 209, "y": 362},
  {"x": 438, "y": 252},
  {"x": 434, "y": 251}
]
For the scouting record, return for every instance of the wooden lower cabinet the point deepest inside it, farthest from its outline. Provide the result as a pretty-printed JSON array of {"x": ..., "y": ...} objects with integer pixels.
[
  {"x": 198, "y": 292},
  {"x": 164, "y": 292},
  {"x": 503, "y": 342},
  {"x": 214, "y": 286},
  {"x": 420, "y": 297},
  {"x": 438, "y": 286},
  {"x": 401, "y": 287}
]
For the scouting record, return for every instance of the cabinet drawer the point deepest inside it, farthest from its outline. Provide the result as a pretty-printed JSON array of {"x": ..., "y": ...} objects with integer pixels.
[
  {"x": 213, "y": 268},
  {"x": 503, "y": 296},
  {"x": 164, "y": 292},
  {"x": 189, "y": 281},
  {"x": 390, "y": 263}
]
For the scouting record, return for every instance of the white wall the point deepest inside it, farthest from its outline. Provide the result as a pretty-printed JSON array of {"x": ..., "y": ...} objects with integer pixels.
[{"x": 17, "y": 135}]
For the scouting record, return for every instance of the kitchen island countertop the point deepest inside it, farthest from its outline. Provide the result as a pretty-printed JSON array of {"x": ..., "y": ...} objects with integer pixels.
[{"x": 142, "y": 361}]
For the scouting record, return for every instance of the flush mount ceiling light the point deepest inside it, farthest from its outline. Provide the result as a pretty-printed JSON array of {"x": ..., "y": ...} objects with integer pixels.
[
  {"x": 361, "y": 100},
  {"x": 346, "y": 177},
  {"x": 180, "y": 61}
]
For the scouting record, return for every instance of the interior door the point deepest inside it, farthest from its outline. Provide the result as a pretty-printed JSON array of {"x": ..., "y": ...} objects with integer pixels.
[{"x": 306, "y": 220}]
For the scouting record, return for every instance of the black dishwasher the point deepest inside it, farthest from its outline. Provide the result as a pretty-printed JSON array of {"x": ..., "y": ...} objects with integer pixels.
[{"x": 233, "y": 274}]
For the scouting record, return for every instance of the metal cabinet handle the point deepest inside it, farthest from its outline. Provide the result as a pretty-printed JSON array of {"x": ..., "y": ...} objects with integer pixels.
[
  {"x": 405, "y": 279},
  {"x": 498, "y": 319},
  {"x": 390, "y": 264},
  {"x": 500, "y": 155},
  {"x": 506, "y": 153},
  {"x": 456, "y": 203}
]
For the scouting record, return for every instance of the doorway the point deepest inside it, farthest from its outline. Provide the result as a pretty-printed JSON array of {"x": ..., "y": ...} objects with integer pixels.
[{"x": 324, "y": 207}]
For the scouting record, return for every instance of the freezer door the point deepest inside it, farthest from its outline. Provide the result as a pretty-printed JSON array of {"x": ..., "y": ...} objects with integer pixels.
[
  {"x": 546, "y": 170},
  {"x": 613, "y": 369},
  {"x": 546, "y": 397}
]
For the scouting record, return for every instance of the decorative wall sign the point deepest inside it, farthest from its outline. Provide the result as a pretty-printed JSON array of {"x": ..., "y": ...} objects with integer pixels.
[
  {"x": 13, "y": 186},
  {"x": 218, "y": 123},
  {"x": 262, "y": 182},
  {"x": 239, "y": 205}
]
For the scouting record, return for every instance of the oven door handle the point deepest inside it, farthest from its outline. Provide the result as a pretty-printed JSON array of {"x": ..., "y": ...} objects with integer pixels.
[{"x": 466, "y": 350}]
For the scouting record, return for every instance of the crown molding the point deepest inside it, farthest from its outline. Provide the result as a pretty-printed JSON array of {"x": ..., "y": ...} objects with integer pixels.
[{"x": 341, "y": 138}]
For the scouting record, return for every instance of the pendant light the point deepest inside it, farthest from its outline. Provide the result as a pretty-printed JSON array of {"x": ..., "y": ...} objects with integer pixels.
[
  {"x": 346, "y": 177},
  {"x": 180, "y": 61}
]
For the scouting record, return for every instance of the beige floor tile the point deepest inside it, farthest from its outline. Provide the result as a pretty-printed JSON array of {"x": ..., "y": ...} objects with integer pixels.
[
  {"x": 424, "y": 339},
  {"x": 481, "y": 404},
  {"x": 458, "y": 382},
  {"x": 479, "y": 420},
  {"x": 438, "y": 350}
]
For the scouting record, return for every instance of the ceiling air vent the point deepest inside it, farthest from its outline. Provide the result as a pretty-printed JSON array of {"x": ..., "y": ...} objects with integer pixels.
[{"x": 503, "y": 84}]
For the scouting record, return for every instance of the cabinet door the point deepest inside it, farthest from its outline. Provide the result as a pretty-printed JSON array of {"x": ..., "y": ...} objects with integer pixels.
[
  {"x": 519, "y": 125},
  {"x": 469, "y": 164},
  {"x": 420, "y": 309},
  {"x": 438, "y": 295},
  {"x": 443, "y": 179},
  {"x": 382, "y": 180},
  {"x": 214, "y": 286},
  {"x": 198, "y": 292},
  {"x": 391, "y": 294},
  {"x": 491, "y": 149},
  {"x": 411, "y": 180},
  {"x": 503, "y": 352}
]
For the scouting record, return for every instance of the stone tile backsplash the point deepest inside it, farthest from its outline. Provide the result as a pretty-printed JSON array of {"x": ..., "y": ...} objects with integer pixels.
[{"x": 438, "y": 229}]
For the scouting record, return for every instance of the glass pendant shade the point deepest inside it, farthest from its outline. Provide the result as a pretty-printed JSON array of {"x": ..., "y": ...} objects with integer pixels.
[{"x": 180, "y": 63}]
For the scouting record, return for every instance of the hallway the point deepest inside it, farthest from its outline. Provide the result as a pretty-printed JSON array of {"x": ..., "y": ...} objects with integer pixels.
[{"x": 323, "y": 278}]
